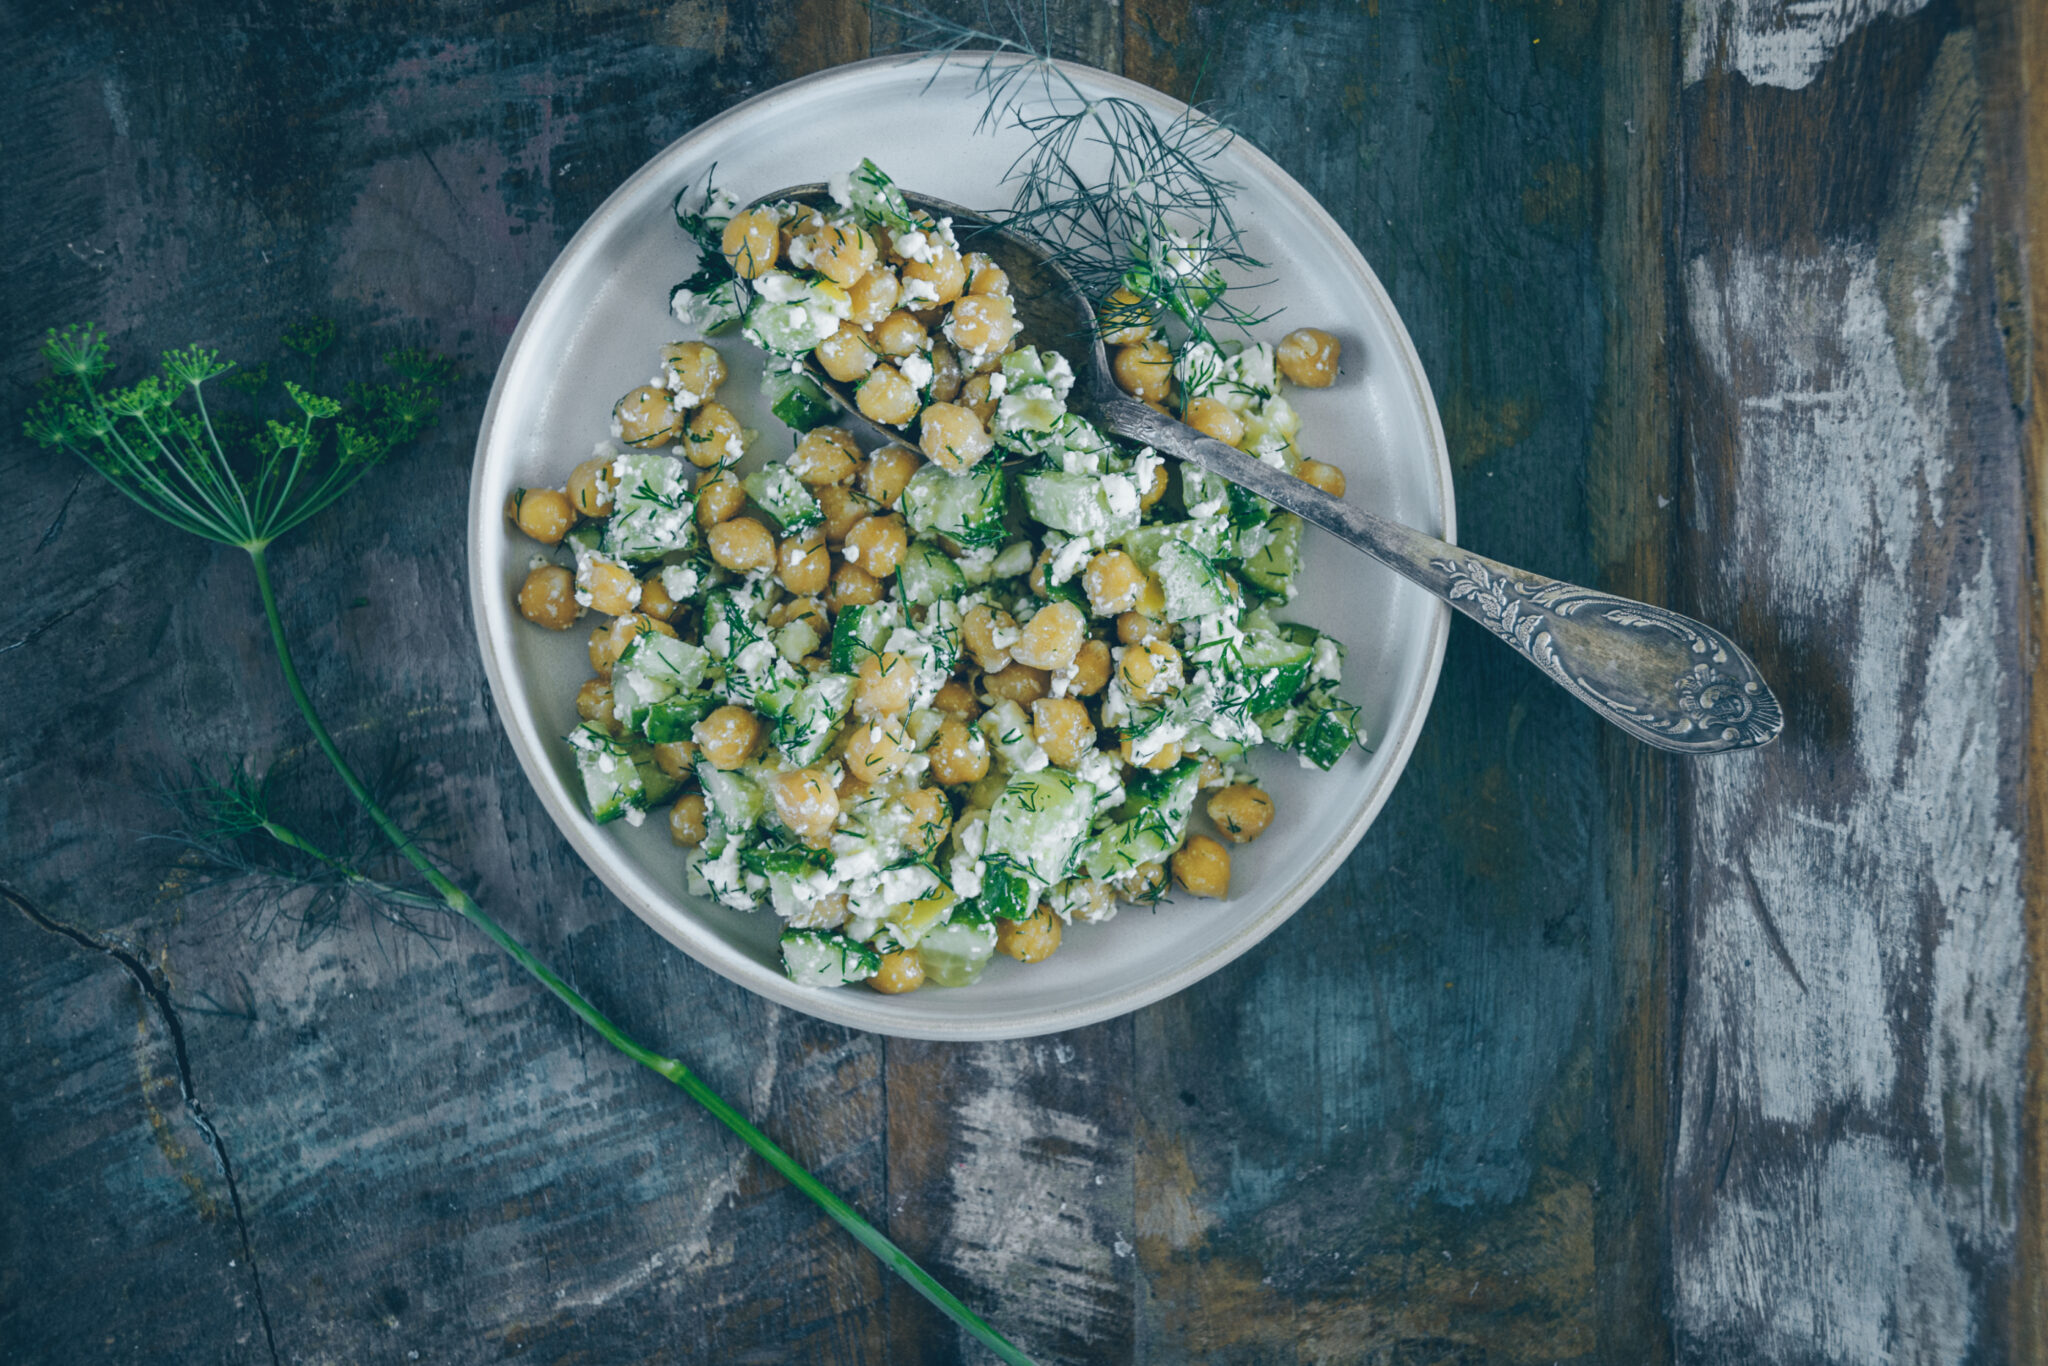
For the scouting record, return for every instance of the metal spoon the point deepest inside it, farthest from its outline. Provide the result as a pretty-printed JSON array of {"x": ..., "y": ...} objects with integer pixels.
[{"x": 1666, "y": 679}]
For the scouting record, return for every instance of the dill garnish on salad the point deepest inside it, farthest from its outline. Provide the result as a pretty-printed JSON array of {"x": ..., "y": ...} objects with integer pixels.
[{"x": 946, "y": 697}]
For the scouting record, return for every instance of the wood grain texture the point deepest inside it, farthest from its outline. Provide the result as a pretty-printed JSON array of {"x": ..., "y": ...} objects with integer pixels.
[
  {"x": 1848, "y": 1171},
  {"x": 1629, "y": 1062}
]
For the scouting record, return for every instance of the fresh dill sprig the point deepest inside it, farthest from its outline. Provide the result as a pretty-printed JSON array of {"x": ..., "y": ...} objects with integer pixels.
[
  {"x": 237, "y": 481},
  {"x": 1147, "y": 230}
]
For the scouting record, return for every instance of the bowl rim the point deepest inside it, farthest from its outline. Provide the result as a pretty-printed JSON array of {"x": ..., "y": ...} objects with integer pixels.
[{"x": 844, "y": 1008}]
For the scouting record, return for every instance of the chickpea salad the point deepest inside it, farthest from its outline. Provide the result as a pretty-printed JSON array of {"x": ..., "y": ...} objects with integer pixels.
[{"x": 947, "y": 697}]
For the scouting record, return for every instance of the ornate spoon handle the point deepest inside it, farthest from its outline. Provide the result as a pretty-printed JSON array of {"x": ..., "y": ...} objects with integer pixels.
[{"x": 1666, "y": 679}]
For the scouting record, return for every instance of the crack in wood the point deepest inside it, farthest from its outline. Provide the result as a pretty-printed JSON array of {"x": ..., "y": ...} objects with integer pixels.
[
  {"x": 157, "y": 991},
  {"x": 1770, "y": 926}
]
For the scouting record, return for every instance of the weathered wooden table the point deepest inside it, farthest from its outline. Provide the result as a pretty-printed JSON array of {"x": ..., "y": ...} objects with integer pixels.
[{"x": 1587, "y": 1055}]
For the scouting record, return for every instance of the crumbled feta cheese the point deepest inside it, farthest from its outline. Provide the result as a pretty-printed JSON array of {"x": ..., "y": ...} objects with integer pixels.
[
  {"x": 840, "y": 187},
  {"x": 917, "y": 368}
]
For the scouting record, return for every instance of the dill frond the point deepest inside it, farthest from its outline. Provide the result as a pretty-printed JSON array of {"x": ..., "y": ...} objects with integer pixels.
[{"x": 1155, "y": 219}]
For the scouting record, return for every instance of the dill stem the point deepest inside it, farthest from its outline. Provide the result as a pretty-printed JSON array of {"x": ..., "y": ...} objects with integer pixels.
[{"x": 672, "y": 1069}]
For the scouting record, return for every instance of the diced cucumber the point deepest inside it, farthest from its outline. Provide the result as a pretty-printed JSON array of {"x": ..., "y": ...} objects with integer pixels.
[
  {"x": 798, "y": 401},
  {"x": 612, "y": 784},
  {"x": 910, "y": 922},
  {"x": 860, "y": 631},
  {"x": 1037, "y": 822},
  {"x": 736, "y": 800},
  {"x": 826, "y": 958},
  {"x": 927, "y": 574},
  {"x": 673, "y": 718},
  {"x": 1193, "y": 585},
  {"x": 1079, "y": 504},
  {"x": 876, "y": 200},
  {"x": 965, "y": 507},
  {"x": 653, "y": 511},
  {"x": 1273, "y": 568},
  {"x": 708, "y": 305},
  {"x": 653, "y": 668},
  {"x": 954, "y": 954},
  {"x": 583, "y": 540},
  {"x": 656, "y": 786},
  {"x": 789, "y": 316},
  {"x": 810, "y": 723},
  {"x": 782, "y": 497},
  {"x": 1272, "y": 670},
  {"x": 1007, "y": 893},
  {"x": 1154, "y": 821},
  {"x": 1329, "y": 727},
  {"x": 1210, "y": 536}
]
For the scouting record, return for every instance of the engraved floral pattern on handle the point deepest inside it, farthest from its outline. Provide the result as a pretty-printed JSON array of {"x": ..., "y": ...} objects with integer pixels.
[{"x": 1717, "y": 703}]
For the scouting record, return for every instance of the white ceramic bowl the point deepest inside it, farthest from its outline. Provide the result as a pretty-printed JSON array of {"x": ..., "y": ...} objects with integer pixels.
[{"x": 592, "y": 331}]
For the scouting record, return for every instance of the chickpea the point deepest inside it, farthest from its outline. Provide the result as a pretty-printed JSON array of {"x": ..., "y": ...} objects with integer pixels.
[
  {"x": 1316, "y": 474},
  {"x": 945, "y": 385},
  {"x": 1308, "y": 356},
  {"x": 1126, "y": 319},
  {"x": 751, "y": 242},
  {"x": 1242, "y": 812},
  {"x": 1153, "y": 487},
  {"x": 720, "y": 495},
  {"x": 900, "y": 972},
  {"x": 1135, "y": 627},
  {"x": 1051, "y": 638},
  {"x": 807, "y": 609},
  {"x": 610, "y": 640},
  {"x": 1210, "y": 774},
  {"x": 844, "y": 508},
  {"x": 1020, "y": 683},
  {"x": 612, "y": 587},
  {"x": 1151, "y": 668},
  {"x": 544, "y": 514},
  {"x": 1032, "y": 940},
  {"x": 694, "y": 371},
  {"x": 982, "y": 323},
  {"x": 590, "y": 487},
  {"x": 887, "y": 681},
  {"x": 548, "y": 598},
  {"x": 1091, "y": 668},
  {"x": 978, "y": 396},
  {"x": 959, "y": 755},
  {"x": 644, "y": 417},
  {"x": 876, "y": 543},
  {"x": 715, "y": 437},
  {"x": 1144, "y": 370},
  {"x": 984, "y": 276},
  {"x": 842, "y": 254},
  {"x": 824, "y": 455},
  {"x": 677, "y": 758},
  {"x": 888, "y": 474},
  {"x": 741, "y": 545},
  {"x": 1213, "y": 417},
  {"x": 1039, "y": 576},
  {"x": 1158, "y": 761},
  {"x": 594, "y": 703},
  {"x": 875, "y": 749},
  {"x": 931, "y": 817},
  {"x": 953, "y": 437},
  {"x": 846, "y": 355},
  {"x": 853, "y": 586},
  {"x": 874, "y": 297},
  {"x": 727, "y": 738},
  {"x": 955, "y": 698},
  {"x": 1062, "y": 729},
  {"x": 899, "y": 334},
  {"x": 801, "y": 221},
  {"x": 806, "y": 804},
  {"x": 686, "y": 820},
  {"x": 826, "y": 913},
  {"x": 1202, "y": 866},
  {"x": 988, "y": 633},
  {"x": 654, "y": 598},
  {"x": 946, "y": 272},
  {"x": 803, "y": 564},
  {"x": 886, "y": 396},
  {"x": 1113, "y": 582}
]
